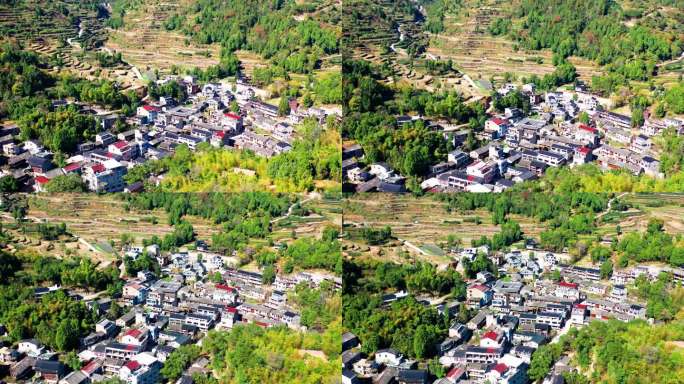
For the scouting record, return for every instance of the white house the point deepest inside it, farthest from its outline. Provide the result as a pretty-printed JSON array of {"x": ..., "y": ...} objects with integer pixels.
[
  {"x": 388, "y": 357},
  {"x": 31, "y": 347}
]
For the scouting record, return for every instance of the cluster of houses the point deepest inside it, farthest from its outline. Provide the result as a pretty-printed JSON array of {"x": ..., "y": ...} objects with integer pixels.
[
  {"x": 161, "y": 315},
  {"x": 513, "y": 316},
  {"x": 208, "y": 115},
  {"x": 520, "y": 147}
]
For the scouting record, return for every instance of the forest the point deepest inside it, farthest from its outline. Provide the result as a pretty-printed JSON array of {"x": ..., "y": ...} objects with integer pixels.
[
  {"x": 266, "y": 28},
  {"x": 626, "y": 42},
  {"x": 56, "y": 319},
  {"x": 617, "y": 352},
  {"x": 510, "y": 233},
  {"x": 242, "y": 217},
  {"x": 590, "y": 178},
  {"x": 217, "y": 207},
  {"x": 253, "y": 355},
  {"x": 314, "y": 158},
  {"x": 26, "y": 90},
  {"x": 436, "y": 10},
  {"x": 556, "y": 208},
  {"x": 410, "y": 148},
  {"x": 652, "y": 245},
  {"x": 320, "y": 308},
  {"x": 183, "y": 233},
  {"x": 406, "y": 325},
  {"x": 313, "y": 253},
  {"x": 567, "y": 216}
]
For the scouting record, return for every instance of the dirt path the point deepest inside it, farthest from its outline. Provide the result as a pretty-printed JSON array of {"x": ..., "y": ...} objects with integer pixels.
[
  {"x": 610, "y": 205},
  {"x": 312, "y": 196}
]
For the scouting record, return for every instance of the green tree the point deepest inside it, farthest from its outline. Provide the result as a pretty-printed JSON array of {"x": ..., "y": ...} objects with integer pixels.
[
  {"x": 606, "y": 269},
  {"x": 216, "y": 277},
  {"x": 72, "y": 361},
  {"x": 583, "y": 117},
  {"x": 268, "y": 275},
  {"x": 234, "y": 107},
  {"x": 179, "y": 360},
  {"x": 436, "y": 368},
  {"x": 283, "y": 106},
  {"x": 66, "y": 336},
  {"x": 541, "y": 362},
  {"x": 8, "y": 184},
  {"x": 421, "y": 342}
]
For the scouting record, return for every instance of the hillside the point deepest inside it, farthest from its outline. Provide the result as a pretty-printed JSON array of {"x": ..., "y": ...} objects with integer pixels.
[
  {"x": 78, "y": 22},
  {"x": 622, "y": 49},
  {"x": 187, "y": 34}
]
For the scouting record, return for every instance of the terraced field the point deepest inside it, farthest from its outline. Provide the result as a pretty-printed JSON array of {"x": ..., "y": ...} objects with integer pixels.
[
  {"x": 73, "y": 20},
  {"x": 667, "y": 207},
  {"x": 480, "y": 55},
  {"x": 324, "y": 212},
  {"x": 101, "y": 218},
  {"x": 371, "y": 34},
  {"x": 423, "y": 222},
  {"x": 145, "y": 43}
]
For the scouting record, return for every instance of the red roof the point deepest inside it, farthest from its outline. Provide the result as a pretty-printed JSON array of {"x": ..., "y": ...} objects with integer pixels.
[
  {"x": 587, "y": 128},
  {"x": 134, "y": 333},
  {"x": 481, "y": 287},
  {"x": 231, "y": 309},
  {"x": 42, "y": 179},
  {"x": 581, "y": 306},
  {"x": 471, "y": 177},
  {"x": 220, "y": 134},
  {"x": 97, "y": 168},
  {"x": 120, "y": 144},
  {"x": 130, "y": 347},
  {"x": 491, "y": 335},
  {"x": 454, "y": 373},
  {"x": 261, "y": 324},
  {"x": 491, "y": 350},
  {"x": 72, "y": 167},
  {"x": 150, "y": 108},
  {"x": 225, "y": 287},
  {"x": 91, "y": 366},
  {"x": 499, "y": 121},
  {"x": 584, "y": 150},
  {"x": 501, "y": 368},
  {"x": 568, "y": 285},
  {"x": 132, "y": 365},
  {"x": 232, "y": 115}
]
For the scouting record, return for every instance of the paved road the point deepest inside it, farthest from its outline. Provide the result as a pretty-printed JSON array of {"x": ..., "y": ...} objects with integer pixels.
[{"x": 562, "y": 332}]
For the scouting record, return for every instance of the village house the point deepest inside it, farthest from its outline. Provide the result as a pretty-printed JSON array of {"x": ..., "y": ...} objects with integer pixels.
[
  {"x": 497, "y": 127},
  {"x": 31, "y": 347},
  {"x": 143, "y": 368},
  {"x": 567, "y": 290},
  {"x": 478, "y": 295},
  {"x": 390, "y": 357},
  {"x": 50, "y": 371},
  {"x": 105, "y": 177}
]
